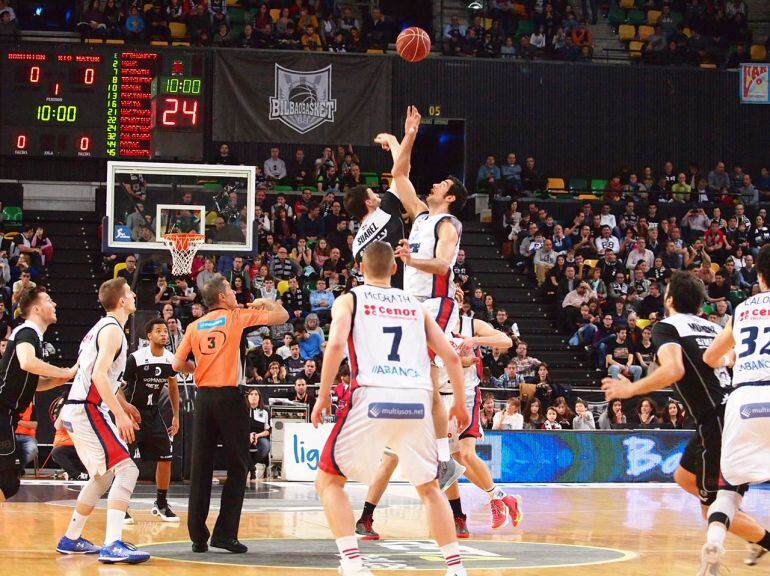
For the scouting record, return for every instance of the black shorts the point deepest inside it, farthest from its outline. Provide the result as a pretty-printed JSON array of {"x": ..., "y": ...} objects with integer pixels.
[
  {"x": 702, "y": 455},
  {"x": 152, "y": 439},
  {"x": 8, "y": 451}
]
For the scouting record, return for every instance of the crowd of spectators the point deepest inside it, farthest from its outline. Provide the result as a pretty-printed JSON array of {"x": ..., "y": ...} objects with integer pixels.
[
  {"x": 291, "y": 25},
  {"x": 604, "y": 270}
]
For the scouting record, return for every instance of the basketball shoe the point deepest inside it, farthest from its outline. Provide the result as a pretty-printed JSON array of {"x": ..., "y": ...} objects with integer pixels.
[
  {"x": 79, "y": 546},
  {"x": 755, "y": 552},
  {"x": 364, "y": 529},
  {"x": 165, "y": 513},
  {"x": 449, "y": 472},
  {"x": 461, "y": 526},
  {"x": 503, "y": 508},
  {"x": 711, "y": 560},
  {"x": 122, "y": 552}
]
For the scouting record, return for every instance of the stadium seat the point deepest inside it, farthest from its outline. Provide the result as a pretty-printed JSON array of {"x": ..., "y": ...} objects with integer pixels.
[
  {"x": 588, "y": 197},
  {"x": 159, "y": 43},
  {"x": 678, "y": 17},
  {"x": 598, "y": 185},
  {"x": 94, "y": 41},
  {"x": 282, "y": 287},
  {"x": 520, "y": 9},
  {"x": 626, "y": 32},
  {"x": 371, "y": 178},
  {"x": 147, "y": 6},
  {"x": 687, "y": 32},
  {"x": 12, "y": 216},
  {"x": 284, "y": 188},
  {"x": 645, "y": 32},
  {"x": 708, "y": 66},
  {"x": 118, "y": 267},
  {"x": 715, "y": 267},
  {"x": 758, "y": 53},
  {"x": 653, "y": 16},
  {"x": 237, "y": 16},
  {"x": 617, "y": 16},
  {"x": 642, "y": 323},
  {"x": 635, "y": 49},
  {"x": 275, "y": 14},
  {"x": 525, "y": 27},
  {"x": 488, "y": 23},
  {"x": 557, "y": 186},
  {"x": 590, "y": 263},
  {"x": 233, "y": 3},
  {"x": 180, "y": 43},
  {"x": 178, "y": 30},
  {"x": 115, "y": 41},
  {"x": 636, "y": 17},
  {"x": 375, "y": 51},
  {"x": 578, "y": 185},
  {"x": 627, "y": 4}
]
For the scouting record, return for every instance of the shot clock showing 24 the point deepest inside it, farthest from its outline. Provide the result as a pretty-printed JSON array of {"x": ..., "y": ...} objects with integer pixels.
[{"x": 102, "y": 103}]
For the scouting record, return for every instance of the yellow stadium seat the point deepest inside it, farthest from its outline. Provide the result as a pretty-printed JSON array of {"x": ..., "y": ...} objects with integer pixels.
[
  {"x": 94, "y": 41},
  {"x": 185, "y": 43},
  {"x": 556, "y": 185},
  {"x": 642, "y": 323},
  {"x": 708, "y": 66},
  {"x": 159, "y": 43},
  {"x": 233, "y": 3},
  {"x": 282, "y": 287},
  {"x": 487, "y": 23},
  {"x": 275, "y": 14},
  {"x": 588, "y": 197},
  {"x": 635, "y": 49},
  {"x": 590, "y": 263},
  {"x": 375, "y": 51},
  {"x": 687, "y": 32},
  {"x": 211, "y": 217},
  {"x": 645, "y": 32},
  {"x": 626, "y": 32},
  {"x": 758, "y": 53},
  {"x": 653, "y": 16},
  {"x": 118, "y": 268},
  {"x": 178, "y": 30},
  {"x": 115, "y": 41},
  {"x": 627, "y": 4},
  {"x": 147, "y": 6}
]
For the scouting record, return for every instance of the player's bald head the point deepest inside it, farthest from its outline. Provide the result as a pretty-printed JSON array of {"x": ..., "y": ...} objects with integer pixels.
[{"x": 379, "y": 261}]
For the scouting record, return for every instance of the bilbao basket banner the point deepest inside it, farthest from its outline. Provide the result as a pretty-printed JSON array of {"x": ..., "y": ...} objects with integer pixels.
[
  {"x": 755, "y": 84},
  {"x": 300, "y": 97}
]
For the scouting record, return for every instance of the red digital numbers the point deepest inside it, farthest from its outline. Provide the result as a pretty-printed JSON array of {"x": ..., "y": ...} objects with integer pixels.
[
  {"x": 84, "y": 144},
  {"x": 88, "y": 76},
  {"x": 34, "y": 74},
  {"x": 180, "y": 112},
  {"x": 21, "y": 142}
]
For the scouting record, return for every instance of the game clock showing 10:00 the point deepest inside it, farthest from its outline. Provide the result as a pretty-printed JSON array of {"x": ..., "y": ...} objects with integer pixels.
[{"x": 102, "y": 104}]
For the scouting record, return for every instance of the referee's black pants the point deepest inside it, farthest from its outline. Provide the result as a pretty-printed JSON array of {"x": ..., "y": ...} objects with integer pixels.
[{"x": 220, "y": 415}]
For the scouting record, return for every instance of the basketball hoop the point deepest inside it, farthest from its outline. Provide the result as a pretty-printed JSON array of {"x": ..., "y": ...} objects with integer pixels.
[{"x": 183, "y": 246}]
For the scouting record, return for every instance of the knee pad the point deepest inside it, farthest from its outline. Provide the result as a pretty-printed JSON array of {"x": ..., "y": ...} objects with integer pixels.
[
  {"x": 126, "y": 474},
  {"x": 724, "y": 507},
  {"x": 95, "y": 489},
  {"x": 9, "y": 483}
]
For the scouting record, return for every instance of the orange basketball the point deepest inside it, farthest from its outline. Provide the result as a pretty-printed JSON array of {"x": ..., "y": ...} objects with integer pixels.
[{"x": 413, "y": 44}]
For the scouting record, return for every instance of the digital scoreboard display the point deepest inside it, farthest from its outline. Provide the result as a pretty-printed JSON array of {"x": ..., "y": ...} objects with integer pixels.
[{"x": 109, "y": 103}]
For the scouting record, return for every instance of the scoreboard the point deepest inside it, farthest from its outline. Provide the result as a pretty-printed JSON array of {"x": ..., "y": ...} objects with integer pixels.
[{"x": 111, "y": 103}]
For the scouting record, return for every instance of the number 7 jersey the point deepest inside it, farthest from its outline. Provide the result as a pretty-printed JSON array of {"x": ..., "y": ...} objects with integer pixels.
[
  {"x": 751, "y": 330},
  {"x": 387, "y": 344}
]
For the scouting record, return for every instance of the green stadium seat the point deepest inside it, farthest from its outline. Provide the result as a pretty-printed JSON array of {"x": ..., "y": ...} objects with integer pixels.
[
  {"x": 598, "y": 185},
  {"x": 237, "y": 16},
  {"x": 371, "y": 178},
  {"x": 12, "y": 216},
  {"x": 636, "y": 17},
  {"x": 678, "y": 17},
  {"x": 283, "y": 188},
  {"x": 525, "y": 27},
  {"x": 617, "y": 16},
  {"x": 578, "y": 185}
]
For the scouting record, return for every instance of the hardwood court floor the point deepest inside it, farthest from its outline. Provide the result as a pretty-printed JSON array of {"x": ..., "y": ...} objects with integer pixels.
[{"x": 657, "y": 526}]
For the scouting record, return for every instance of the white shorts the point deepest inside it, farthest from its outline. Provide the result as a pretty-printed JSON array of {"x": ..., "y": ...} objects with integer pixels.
[
  {"x": 746, "y": 436},
  {"x": 96, "y": 438},
  {"x": 474, "y": 430},
  {"x": 372, "y": 421}
]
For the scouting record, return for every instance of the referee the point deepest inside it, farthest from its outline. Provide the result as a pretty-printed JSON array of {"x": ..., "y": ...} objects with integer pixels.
[
  {"x": 220, "y": 411},
  {"x": 21, "y": 369}
]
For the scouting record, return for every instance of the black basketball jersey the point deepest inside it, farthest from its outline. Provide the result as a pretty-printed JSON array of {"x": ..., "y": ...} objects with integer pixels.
[
  {"x": 146, "y": 375},
  {"x": 703, "y": 389},
  {"x": 384, "y": 224},
  {"x": 17, "y": 386}
]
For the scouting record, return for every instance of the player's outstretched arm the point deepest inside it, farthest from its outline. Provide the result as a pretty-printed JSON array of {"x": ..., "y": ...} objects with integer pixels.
[
  {"x": 342, "y": 320},
  {"x": 401, "y": 166},
  {"x": 671, "y": 371},
  {"x": 486, "y": 336},
  {"x": 109, "y": 342},
  {"x": 438, "y": 342},
  {"x": 720, "y": 353}
]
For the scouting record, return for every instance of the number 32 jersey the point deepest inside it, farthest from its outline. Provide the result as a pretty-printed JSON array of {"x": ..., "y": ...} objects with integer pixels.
[
  {"x": 387, "y": 344},
  {"x": 751, "y": 330}
]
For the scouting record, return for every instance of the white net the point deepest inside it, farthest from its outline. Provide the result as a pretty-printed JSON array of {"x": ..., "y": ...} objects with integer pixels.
[{"x": 183, "y": 247}]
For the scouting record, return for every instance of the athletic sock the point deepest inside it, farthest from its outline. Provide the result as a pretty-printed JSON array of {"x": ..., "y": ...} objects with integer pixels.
[
  {"x": 368, "y": 511},
  {"x": 457, "y": 507},
  {"x": 350, "y": 557},
  {"x": 495, "y": 492},
  {"x": 76, "y": 525},
  {"x": 161, "y": 498},
  {"x": 453, "y": 559},
  {"x": 443, "y": 449},
  {"x": 114, "y": 530},
  {"x": 765, "y": 541}
]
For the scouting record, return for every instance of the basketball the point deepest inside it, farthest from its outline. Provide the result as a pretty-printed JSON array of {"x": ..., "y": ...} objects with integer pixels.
[{"x": 413, "y": 44}]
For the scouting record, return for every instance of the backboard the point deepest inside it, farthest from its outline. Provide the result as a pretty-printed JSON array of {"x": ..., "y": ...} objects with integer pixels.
[{"x": 146, "y": 200}]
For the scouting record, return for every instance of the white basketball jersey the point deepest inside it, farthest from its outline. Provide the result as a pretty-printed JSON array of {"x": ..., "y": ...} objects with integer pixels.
[
  {"x": 387, "y": 345},
  {"x": 751, "y": 330},
  {"x": 83, "y": 388},
  {"x": 422, "y": 242},
  {"x": 472, "y": 374}
]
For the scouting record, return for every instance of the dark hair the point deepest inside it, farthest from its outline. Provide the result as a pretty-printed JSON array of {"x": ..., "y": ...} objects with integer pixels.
[
  {"x": 763, "y": 263},
  {"x": 686, "y": 291},
  {"x": 458, "y": 190},
  {"x": 355, "y": 201},
  {"x": 653, "y": 406},
  {"x": 150, "y": 324},
  {"x": 29, "y": 298}
]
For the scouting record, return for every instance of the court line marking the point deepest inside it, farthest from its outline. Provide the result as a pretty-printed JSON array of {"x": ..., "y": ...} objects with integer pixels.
[{"x": 626, "y": 555}]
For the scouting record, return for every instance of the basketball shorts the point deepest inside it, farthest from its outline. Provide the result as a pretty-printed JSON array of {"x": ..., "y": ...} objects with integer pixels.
[
  {"x": 746, "y": 436},
  {"x": 702, "y": 454},
  {"x": 152, "y": 440},
  {"x": 95, "y": 436},
  {"x": 474, "y": 430},
  {"x": 8, "y": 454},
  {"x": 380, "y": 417}
]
